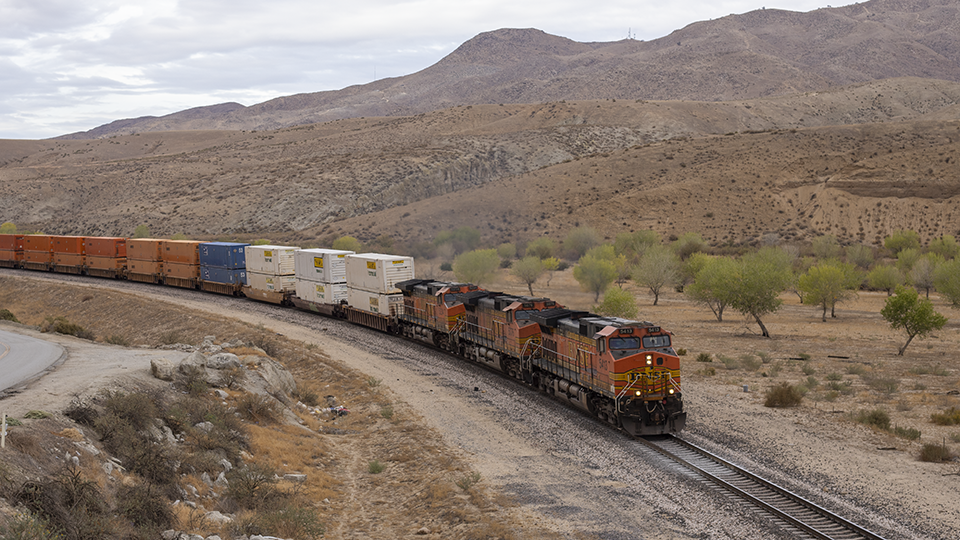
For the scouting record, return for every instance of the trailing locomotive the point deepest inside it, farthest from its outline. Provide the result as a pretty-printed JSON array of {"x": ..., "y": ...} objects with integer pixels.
[{"x": 624, "y": 372}]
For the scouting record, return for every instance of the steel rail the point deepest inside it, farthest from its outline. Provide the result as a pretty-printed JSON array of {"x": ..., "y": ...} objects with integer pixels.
[{"x": 796, "y": 521}]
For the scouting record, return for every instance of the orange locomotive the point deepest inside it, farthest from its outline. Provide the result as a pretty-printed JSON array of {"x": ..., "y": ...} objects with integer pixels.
[{"x": 624, "y": 372}]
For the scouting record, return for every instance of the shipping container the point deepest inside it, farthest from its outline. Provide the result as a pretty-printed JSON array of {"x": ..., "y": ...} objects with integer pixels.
[
  {"x": 326, "y": 265},
  {"x": 276, "y": 260},
  {"x": 106, "y": 263},
  {"x": 144, "y": 249},
  {"x": 218, "y": 274},
  {"x": 38, "y": 242},
  {"x": 378, "y": 273},
  {"x": 68, "y": 244},
  {"x": 321, "y": 293},
  {"x": 105, "y": 246},
  {"x": 145, "y": 267},
  {"x": 11, "y": 255},
  {"x": 223, "y": 254},
  {"x": 38, "y": 256},
  {"x": 11, "y": 242},
  {"x": 270, "y": 282},
  {"x": 180, "y": 251},
  {"x": 68, "y": 259},
  {"x": 180, "y": 270},
  {"x": 384, "y": 304}
]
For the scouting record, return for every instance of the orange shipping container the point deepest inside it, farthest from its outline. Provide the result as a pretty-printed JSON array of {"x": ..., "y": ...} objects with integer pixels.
[
  {"x": 11, "y": 242},
  {"x": 144, "y": 249},
  {"x": 68, "y": 244},
  {"x": 68, "y": 259},
  {"x": 181, "y": 251},
  {"x": 106, "y": 263},
  {"x": 38, "y": 256},
  {"x": 186, "y": 271},
  {"x": 11, "y": 255},
  {"x": 137, "y": 266},
  {"x": 98, "y": 246},
  {"x": 37, "y": 242}
]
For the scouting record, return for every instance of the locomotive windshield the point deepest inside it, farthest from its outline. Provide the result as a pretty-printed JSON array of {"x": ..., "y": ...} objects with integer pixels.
[
  {"x": 656, "y": 342},
  {"x": 620, "y": 343}
]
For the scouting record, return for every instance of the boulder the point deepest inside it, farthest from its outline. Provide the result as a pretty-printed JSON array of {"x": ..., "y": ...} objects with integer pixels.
[
  {"x": 162, "y": 369},
  {"x": 217, "y": 518},
  {"x": 223, "y": 361},
  {"x": 278, "y": 379},
  {"x": 194, "y": 365}
]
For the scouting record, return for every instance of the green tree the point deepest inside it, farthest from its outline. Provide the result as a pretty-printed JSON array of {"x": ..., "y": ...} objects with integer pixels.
[
  {"x": 542, "y": 247},
  {"x": 901, "y": 240},
  {"x": 688, "y": 244},
  {"x": 914, "y": 315},
  {"x": 711, "y": 284},
  {"x": 632, "y": 245},
  {"x": 825, "y": 247},
  {"x": 884, "y": 277},
  {"x": 658, "y": 268},
  {"x": 579, "y": 241},
  {"x": 595, "y": 274},
  {"x": 617, "y": 303},
  {"x": 476, "y": 266},
  {"x": 760, "y": 278},
  {"x": 550, "y": 265},
  {"x": 828, "y": 284},
  {"x": 528, "y": 270},
  {"x": 348, "y": 243},
  {"x": 462, "y": 239},
  {"x": 141, "y": 231},
  {"x": 906, "y": 258},
  {"x": 946, "y": 279},
  {"x": 507, "y": 251},
  {"x": 860, "y": 255},
  {"x": 924, "y": 270},
  {"x": 946, "y": 246},
  {"x": 8, "y": 227}
]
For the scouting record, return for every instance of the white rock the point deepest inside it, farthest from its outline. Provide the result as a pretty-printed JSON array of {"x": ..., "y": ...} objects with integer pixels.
[
  {"x": 217, "y": 518},
  {"x": 223, "y": 361},
  {"x": 162, "y": 369}
]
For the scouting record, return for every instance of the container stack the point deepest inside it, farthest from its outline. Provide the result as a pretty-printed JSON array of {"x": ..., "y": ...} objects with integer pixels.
[
  {"x": 68, "y": 254},
  {"x": 372, "y": 279},
  {"x": 106, "y": 256},
  {"x": 11, "y": 250},
  {"x": 144, "y": 262},
  {"x": 271, "y": 272},
  {"x": 223, "y": 267},
  {"x": 37, "y": 252},
  {"x": 321, "y": 275},
  {"x": 181, "y": 262}
]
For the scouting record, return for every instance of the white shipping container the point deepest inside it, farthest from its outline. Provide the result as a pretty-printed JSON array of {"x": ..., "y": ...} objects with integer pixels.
[
  {"x": 276, "y": 260},
  {"x": 270, "y": 282},
  {"x": 326, "y": 265},
  {"x": 379, "y": 273},
  {"x": 385, "y": 304},
  {"x": 321, "y": 293}
]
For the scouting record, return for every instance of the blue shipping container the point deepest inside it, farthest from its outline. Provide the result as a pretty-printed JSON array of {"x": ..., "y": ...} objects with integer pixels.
[
  {"x": 217, "y": 274},
  {"x": 223, "y": 254}
]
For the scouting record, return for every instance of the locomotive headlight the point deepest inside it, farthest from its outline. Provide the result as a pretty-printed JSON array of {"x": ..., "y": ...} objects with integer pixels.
[
  {"x": 638, "y": 392},
  {"x": 671, "y": 391},
  {"x": 649, "y": 359}
]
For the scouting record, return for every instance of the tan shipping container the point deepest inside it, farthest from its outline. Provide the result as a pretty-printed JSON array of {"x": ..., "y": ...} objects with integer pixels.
[
  {"x": 276, "y": 260},
  {"x": 181, "y": 251},
  {"x": 105, "y": 246},
  {"x": 384, "y": 304},
  {"x": 185, "y": 271},
  {"x": 377, "y": 272},
  {"x": 106, "y": 263},
  {"x": 321, "y": 293},
  {"x": 38, "y": 256},
  {"x": 270, "y": 282},
  {"x": 37, "y": 242},
  {"x": 137, "y": 266},
  {"x": 324, "y": 265},
  {"x": 68, "y": 259},
  {"x": 144, "y": 249}
]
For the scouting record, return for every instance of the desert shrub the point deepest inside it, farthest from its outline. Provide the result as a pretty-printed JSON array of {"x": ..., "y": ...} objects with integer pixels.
[
  {"x": 37, "y": 415},
  {"x": 69, "y": 503},
  {"x": 232, "y": 377},
  {"x": 223, "y": 432},
  {"x": 6, "y": 315},
  {"x": 259, "y": 408},
  {"x": 877, "y": 418},
  {"x": 308, "y": 396},
  {"x": 468, "y": 481},
  {"x": 61, "y": 325},
  {"x": 728, "y": 362},
  {"x": 373, "y": 382},
  {"x": 856, "y": 369},
  {"x": 845, "y": 388},
  {"x": 910, "y": 434},
  {"x": 144, "y": 506},
  {"x": 116, "y": 339},
  {"x": 137, "y": 408},
  {"x": 765, "y": 357},
  {"x": 709, "y": 371},
  {"x": 253, "y": 485},
  {"x": 807, "y": 369},
  {"x": 704, "y": 357},
  {"x": 82, "y": 414},
  {"x": 885, "y": 385},
  {"x": 375, "y": 467},
  {"x": 783, "y": 395},
  {"x": 193, "y": 383},
  {"x": 170, "y": 338},
  {"x": 750, "y": 362},
  {"x": 28, "y": 526},
  {"x": 804, "y": 356},
  {"x": 387, "y": 411},
  {"x": 811, "y": 382},
  {"x": 935, "y": 453},
  {"x": 929, "y": 370},
  {"x": 834, "y": 376},
  {"x": 949, "y": 417},
  {"x": 681, "y": 352},
  {"x": 955, "y": 437},
  {"x": 446, "y": 266},
  {"x": 288, "y": 521},
  {"x": 831, "y": 396}
]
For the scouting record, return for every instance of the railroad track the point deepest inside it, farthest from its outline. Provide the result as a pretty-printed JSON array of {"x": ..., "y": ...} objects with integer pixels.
[{"x": 791, "y": 511}]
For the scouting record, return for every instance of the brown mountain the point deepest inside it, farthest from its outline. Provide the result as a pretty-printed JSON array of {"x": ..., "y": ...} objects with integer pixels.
[{"x": 767, "y": 52}]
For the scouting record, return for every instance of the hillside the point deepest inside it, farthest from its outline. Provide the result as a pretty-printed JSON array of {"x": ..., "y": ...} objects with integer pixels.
[
  {"x": 622, "y": 163},
  {"x": 767, "y": 52}
]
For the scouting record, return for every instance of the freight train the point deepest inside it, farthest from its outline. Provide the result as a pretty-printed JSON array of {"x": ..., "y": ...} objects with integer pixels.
[{"x": 623, "y": 372}]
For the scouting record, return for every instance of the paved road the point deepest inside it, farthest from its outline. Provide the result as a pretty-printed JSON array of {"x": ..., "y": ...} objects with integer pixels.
[{"x": 22, "y": 358}]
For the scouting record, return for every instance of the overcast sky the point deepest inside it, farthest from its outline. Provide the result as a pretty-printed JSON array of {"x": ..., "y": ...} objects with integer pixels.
[{"x": 72, "y": 65}]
